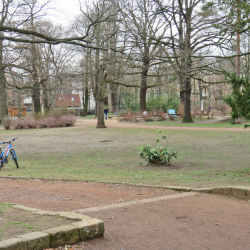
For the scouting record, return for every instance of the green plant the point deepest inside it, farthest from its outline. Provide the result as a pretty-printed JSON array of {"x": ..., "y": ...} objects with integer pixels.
[
  {"x": 158, "y": 154},
  {"x": 238, "y": 101}
]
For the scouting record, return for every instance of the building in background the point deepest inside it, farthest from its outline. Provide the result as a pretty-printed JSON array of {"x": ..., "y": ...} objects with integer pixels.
[{"x": 70, "y": 101}]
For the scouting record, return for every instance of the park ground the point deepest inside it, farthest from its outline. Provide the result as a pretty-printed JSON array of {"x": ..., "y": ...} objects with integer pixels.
[{"x": 208, "y": 156}]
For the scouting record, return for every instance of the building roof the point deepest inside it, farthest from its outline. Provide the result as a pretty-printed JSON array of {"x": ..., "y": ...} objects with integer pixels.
[{"x": 67, "y": 100}]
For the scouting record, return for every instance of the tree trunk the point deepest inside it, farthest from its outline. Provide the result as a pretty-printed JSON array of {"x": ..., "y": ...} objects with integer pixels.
[
  {"x": 187, "y": 118},
  {"x": 45, "y": 98},
  {"x": 4, "y": 111},
  {"x": 86, "y": 94},
  {"x": 100, "y": 114},
  {"x": 102, "y": 86},
  {"x": 143, "y": 93},
  {"x": 35, "y": 78},
  {"x": 36, "y": 98},
  {"x": 182, "y": 103},
  {"x": 238, "y": 41},
  {"x": 143, "y": 88},
  {"x": 114, "y": 98},
  {"x": 86, "y": 85}
]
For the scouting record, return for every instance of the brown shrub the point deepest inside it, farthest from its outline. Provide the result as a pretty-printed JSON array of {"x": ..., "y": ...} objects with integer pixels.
[
  {"x": 30, "y": 122},
  {"x": 7, "y": 122},
  {"x": 68, "y": 120},
  {"x": 19, "y": 124},
  {"x": 43, "y": 122}
]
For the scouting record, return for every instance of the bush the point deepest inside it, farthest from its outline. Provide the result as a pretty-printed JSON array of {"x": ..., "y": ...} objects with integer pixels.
[
  {"x": 19, "y": 124},
  {"x": 31, "y": 122},
  {"x": 68, "y": 120},
  {"x": 43, "y": 122},
  {"x": 52, "y": 120},
  {"x": 7, "y": 122},
  {"x": 158, "y": 155}
]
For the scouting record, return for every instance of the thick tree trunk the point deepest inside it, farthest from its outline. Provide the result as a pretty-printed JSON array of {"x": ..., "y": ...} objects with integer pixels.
[
  {"x": 86, "y": 85},
  {"x": 36, "y": 98},
  {"x": 181, "y": 103},
  {"x": 143, "y": 93},
  {"x": 114, "y": 100},
  {"x": 143, "y": 89},
  {"x": 102, "y": 87},
  {"x": 46, "y": 104},
  {"x": 86, "y": 100},
  {"x": 100, "y": 114},
  {"x": 106, "y": 101},
  {"x": 4, "y": 111},
  {"x": 187, "y": 118}
]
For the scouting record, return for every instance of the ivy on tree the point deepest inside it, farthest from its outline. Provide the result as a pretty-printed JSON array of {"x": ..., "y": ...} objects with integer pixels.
[{"x": 239, "y": 100}]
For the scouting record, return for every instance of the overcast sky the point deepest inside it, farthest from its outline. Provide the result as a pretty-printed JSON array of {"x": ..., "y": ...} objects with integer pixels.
[{"x": 63, "y": 11}]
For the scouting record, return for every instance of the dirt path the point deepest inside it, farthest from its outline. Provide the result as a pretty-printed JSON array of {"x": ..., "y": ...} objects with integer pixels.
[
  {"x": 177, "y": 221},
  {"x": 115, "y": 124}
]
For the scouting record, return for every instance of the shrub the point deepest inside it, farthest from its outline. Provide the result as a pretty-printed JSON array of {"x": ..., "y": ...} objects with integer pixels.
[
  {"x": 43, "y": 122},
  {"x": 68, "y": 120},
  {"x": 30, "y": 122},
  {"x": 7, "y": 122},
  {"x": 158, "y": 155},
  {"x": 19, "y": 123},
  {"x": 53, "y": 120}
]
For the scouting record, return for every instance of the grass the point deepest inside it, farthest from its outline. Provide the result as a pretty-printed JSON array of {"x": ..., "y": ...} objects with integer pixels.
[
  {"x": 205, "y": 158},
  {"x": 4, "y": 206}
]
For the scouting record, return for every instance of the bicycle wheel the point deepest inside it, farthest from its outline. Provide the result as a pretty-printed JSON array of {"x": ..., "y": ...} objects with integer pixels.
[{"x": 13, "y": 153}]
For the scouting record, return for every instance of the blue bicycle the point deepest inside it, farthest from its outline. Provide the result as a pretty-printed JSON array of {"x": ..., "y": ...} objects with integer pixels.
[{"x": 9, "y": 148}]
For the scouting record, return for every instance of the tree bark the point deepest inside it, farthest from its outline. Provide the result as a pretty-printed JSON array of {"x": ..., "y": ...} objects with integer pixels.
[
  {"x": 102, "y": 86},
  {"x": 187, "y": 118},
  {"x": 86, "y": 98},
  {"x": 35, "y": 78},
  {"x": 86, "y": 86},
  {"x": 114, "y": 89},
  {"x": 4, "y": 111},
  {"x": 143, "y": 88}
]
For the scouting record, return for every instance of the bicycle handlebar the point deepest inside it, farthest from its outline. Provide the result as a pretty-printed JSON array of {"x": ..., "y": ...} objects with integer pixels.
[{"x": 8, "y": 141}]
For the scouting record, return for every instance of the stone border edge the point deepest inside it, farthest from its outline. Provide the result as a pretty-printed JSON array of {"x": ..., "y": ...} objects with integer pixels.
[
  {"x": 239, "y": 192},
  {"x": 84, "y": 228}
]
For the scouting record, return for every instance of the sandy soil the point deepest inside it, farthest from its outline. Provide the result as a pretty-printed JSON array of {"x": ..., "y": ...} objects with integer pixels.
[{"x": 199, "y": 221}]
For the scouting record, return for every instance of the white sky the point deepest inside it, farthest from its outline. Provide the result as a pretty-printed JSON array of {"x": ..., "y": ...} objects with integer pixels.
[{"x": 63, "y": 11}]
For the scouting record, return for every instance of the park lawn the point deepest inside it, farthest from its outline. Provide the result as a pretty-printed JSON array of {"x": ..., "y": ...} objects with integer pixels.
[{"x": 205, "y": 158}]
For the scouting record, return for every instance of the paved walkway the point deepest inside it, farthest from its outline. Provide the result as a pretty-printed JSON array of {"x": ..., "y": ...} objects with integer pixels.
[{"x": 197, "y": 221}]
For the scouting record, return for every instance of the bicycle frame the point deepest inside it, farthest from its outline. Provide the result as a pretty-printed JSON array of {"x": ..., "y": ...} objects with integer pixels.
[{"x": 6, "y": 151}]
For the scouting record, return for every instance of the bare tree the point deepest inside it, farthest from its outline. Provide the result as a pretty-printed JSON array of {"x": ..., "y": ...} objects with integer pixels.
[
  {"x": 191, "y": 37},
  {"x": 143, "y": 30}
]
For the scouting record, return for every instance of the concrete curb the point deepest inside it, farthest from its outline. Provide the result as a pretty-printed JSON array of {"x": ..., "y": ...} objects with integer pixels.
[
  {"x": 83, "y": 229},
  {"x": 239, "y": 192}
]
